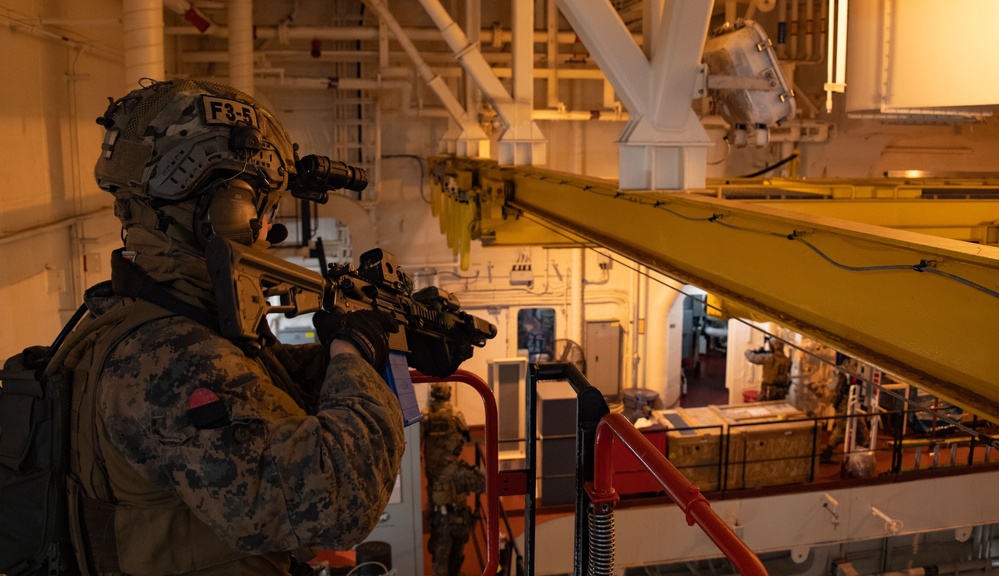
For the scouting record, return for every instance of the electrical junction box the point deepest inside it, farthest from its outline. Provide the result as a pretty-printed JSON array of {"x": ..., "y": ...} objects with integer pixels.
[
  {"x": 604, "y": 342},
  {"x": 521, "y": 276}
]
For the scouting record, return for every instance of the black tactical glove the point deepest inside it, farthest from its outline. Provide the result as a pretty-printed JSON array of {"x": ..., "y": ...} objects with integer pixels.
[
  {"x": 367, "y": 330},
  {"x": 436, "y": 357}
]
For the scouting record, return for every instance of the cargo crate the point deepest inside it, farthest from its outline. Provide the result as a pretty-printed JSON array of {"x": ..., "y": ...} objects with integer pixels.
[
  {"x": 771, "y": 443},
  {"x": 694, "y": 445}
]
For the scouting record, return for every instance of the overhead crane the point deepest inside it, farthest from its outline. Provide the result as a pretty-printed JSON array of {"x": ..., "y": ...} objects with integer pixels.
[{"x": 923, "y": 308}]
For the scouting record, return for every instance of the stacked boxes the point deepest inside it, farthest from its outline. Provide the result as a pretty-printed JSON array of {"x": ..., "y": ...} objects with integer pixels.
[
  {"x": 557, "y": 443},
  {"x": 766, "y": 446}
]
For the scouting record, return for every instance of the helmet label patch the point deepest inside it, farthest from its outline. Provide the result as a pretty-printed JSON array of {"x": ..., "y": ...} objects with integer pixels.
[{"x": 227, "y": 112}]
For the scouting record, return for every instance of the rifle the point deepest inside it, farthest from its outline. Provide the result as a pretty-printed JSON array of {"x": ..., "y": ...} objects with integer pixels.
[{"x": 434, "y": 337}]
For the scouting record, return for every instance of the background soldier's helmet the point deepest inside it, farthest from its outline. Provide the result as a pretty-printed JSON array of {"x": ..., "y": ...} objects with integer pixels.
[
  {"x": 170, "y": 141},
  {"x": 440, "y": 391}
]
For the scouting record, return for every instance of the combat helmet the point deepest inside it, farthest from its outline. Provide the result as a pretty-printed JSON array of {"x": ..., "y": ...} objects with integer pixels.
[
  {"x": 170, "y": 142},
  {"x": 440, "y": 391}
]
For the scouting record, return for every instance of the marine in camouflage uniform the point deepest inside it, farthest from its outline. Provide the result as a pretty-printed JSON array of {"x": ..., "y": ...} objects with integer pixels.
[
  {"x": 776, "y": 370},
  {"x": 211, "y": 458},
  {"x": 450, "y": 481},
  {"x": 841, "y": 400}
]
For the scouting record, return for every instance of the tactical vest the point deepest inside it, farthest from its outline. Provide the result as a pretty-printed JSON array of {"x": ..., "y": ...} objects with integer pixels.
[{"x": 157, "y": 537}]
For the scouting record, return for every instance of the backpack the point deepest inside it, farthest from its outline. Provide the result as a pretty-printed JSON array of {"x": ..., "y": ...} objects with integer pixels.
[
  {"x": 34, "y": 454},
  {"x": 36, "y": 406}
]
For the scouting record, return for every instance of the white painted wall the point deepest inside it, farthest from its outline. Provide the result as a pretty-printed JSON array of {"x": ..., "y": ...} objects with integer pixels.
[{"x": 55, "y": 224}]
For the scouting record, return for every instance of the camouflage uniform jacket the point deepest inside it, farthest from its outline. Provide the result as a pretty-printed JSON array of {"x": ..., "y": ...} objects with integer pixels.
[{"x": 266, "y": 476}]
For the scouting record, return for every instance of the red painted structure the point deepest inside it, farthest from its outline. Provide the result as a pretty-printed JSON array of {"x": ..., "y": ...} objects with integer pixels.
[{"x": 697, "y": 509}]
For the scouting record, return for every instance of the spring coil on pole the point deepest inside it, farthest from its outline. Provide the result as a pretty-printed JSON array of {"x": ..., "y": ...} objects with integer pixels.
[{"x": 600, "y": 518}]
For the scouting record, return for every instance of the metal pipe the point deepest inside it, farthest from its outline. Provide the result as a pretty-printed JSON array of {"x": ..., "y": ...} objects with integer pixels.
[
  {"x": 522, "y": 63},
  {"x": 20, "y": 235},
  {"x": 142, "y": 21},
  {"x": 643, "y": 320},
  {"x": 471, "y": 60},
  {"x": 809, "y": 27},
  {"x": 551, "y": 50},
  {"x": 492, "y": 459},
  {"x": 241, "y": 45},
  {"x": 473, "y": 26},
  {"x": 792, "y": 36},
  {"x": 635, "y": 297},
  {"x": 488, "y": 35},
  {"x": 781, "y": 29},
  {"x": 576, "y": 312},
  {"x": 677, "y": 487}
]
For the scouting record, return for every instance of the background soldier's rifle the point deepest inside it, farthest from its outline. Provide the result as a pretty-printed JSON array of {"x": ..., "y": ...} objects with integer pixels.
[{"x": 434, "y": 337}]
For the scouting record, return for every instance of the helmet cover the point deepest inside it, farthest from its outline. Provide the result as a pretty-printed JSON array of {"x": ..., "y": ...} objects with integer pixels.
[{"x": 167, "y": 140}]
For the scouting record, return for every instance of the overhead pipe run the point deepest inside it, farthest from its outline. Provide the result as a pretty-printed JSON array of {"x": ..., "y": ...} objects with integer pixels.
[
  {"x": 471, "y": 140},
  {"x": 494, "y": 36}
]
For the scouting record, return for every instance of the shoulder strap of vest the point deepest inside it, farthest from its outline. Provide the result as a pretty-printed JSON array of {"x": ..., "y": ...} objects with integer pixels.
[{"x": 131, "y": 281}]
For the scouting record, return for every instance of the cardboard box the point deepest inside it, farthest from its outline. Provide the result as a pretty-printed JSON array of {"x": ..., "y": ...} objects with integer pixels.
[{"x": 694, "y": 446}]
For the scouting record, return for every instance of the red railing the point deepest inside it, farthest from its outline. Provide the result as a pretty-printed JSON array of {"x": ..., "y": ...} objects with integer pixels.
[
  {"x": 492, "y": 459},
  {"x": 677, "y": 487}
]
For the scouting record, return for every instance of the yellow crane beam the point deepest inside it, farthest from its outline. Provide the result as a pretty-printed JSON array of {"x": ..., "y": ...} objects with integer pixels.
[{"x": 920, "y": 307}]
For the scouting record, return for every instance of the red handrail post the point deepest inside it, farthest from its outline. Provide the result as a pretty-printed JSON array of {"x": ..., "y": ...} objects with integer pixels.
[{"x": 694, "y": 505}]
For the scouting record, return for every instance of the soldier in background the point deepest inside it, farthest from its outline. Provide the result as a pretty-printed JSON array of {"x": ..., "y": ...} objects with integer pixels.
[
  {"x": 450, "y": 481},
  {"x": 845, "y": 380},
  {"x": 776, "y": 369}
]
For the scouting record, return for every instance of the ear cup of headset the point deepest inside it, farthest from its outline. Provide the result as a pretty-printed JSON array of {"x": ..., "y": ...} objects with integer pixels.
[{"x": 231, "y": 213}]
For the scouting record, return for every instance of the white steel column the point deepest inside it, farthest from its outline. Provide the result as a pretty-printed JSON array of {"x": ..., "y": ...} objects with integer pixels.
[
  {"x": 143, "y": 28},
  {"x": 473, "y": 24},
  {"x": 241, "y": 45},
  {"x": 522, "y": 142},
  {"x": 676, "y": 60},
  {"x": 664, "y": 145},
  {"x": 600, "y": 28},
  {"x": 551, "y": 45}
]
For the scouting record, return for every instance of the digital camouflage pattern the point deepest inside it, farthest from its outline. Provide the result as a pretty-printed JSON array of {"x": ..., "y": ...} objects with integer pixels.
[{"x": 270, "y": 477}]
